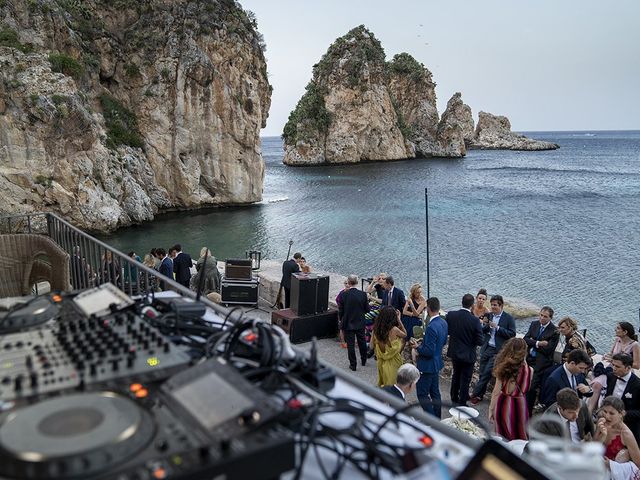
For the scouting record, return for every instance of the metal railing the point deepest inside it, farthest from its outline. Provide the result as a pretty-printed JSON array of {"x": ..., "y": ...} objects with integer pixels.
[{"x": 94, "y": 262}]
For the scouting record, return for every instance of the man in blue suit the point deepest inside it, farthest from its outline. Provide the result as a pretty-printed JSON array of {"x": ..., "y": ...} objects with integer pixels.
[
  {"x": 166, "y": 265},
  {"x": 430, "y": 359},
  {"x": 497, "y": 327},
  {"x": 392, "y": 295},
  {"x": 568, "y": 375}
]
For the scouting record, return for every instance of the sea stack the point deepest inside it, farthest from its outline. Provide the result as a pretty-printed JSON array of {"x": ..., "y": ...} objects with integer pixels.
[
  {"x": 113, "y": 111},
  {"x": 414, "y": 93},
  {"x": 347, "y": 114},
  {"x": 494, "y": 133}
]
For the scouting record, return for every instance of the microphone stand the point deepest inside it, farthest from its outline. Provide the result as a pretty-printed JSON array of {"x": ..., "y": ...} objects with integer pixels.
[
  {"x": 201, "y": 280},
  {"x": 279, "y": 296}
]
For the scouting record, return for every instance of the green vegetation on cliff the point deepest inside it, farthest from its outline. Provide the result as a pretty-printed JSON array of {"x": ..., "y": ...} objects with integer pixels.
[
  {"x": 9, "y": 38},
  {"x": 351, "y": 54},
  {"x": 122, "y": 125},
  {"x": 310, "y": 118},
  {"x": 405, "y": 64},
  {"x": 65, "y": 64}
]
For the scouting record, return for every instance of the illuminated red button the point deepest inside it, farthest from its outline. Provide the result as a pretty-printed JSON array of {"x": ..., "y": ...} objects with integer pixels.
[
  {"x": 142, "y": 393},
  {"x": 427, "y": 441}
]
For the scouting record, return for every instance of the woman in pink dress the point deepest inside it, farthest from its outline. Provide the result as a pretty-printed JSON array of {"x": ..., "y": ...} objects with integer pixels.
[{"x": 508, "y": 408}]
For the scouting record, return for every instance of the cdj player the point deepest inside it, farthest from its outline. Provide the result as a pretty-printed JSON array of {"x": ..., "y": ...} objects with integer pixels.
[{"x": 96, "y": 392}]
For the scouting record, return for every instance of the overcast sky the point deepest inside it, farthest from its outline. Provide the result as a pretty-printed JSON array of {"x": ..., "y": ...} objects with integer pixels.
[{"x": 545, "y": 64}]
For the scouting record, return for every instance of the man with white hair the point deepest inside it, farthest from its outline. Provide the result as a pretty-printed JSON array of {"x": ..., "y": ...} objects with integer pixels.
[
  {"x": 352, "y": 310},
  {"x": 408, "y": 375}
]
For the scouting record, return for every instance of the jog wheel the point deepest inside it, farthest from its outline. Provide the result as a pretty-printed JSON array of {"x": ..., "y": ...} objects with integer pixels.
[{"x": 73, "y": 436}]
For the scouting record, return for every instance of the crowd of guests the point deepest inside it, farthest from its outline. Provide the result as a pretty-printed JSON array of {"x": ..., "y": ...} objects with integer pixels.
[
  {"x": 549, "y": 372},
  {"x": 172, "y": 263}
]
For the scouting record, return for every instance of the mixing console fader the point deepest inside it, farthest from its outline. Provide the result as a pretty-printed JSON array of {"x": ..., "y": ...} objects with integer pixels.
[{"x": 79, "y": 350}]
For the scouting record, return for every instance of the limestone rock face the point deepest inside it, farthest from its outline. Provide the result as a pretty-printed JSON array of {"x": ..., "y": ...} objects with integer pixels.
[
  {"x": 453, "y": 127},
  {"x": 347, "y": 113},
  {"x": 414, "y": 92},
  {"x": 494, "y": 133},
  {"x": 111, "y": 111}
]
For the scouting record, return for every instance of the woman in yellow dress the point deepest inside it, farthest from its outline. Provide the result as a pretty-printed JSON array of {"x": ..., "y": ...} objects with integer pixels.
[{"x": 387, "y": 341}]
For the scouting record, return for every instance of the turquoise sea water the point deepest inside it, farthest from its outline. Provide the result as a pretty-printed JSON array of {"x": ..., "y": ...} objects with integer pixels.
[{"x": 558, "y": 228}]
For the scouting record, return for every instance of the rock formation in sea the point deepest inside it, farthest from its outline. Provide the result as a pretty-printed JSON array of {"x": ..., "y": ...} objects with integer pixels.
[
  {"x": 494, "y": 133},
  {"x": 359, "y": 108},
  {"x": 111, "y": 110},
  {"x": 347, "y": 114}
]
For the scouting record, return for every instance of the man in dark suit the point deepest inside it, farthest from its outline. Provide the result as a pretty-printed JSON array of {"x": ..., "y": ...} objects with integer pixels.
[
  {"x": 542, "y": 340},
  {"x": 406, "y": 380},
  {"x": 430, "y": 359},
  {"x": 182, "y": 264},
  {"x": 289, "y": 267},
  {"x": 571, "y": 374},
  {"x": 352, "y": 309},
  {"x": 498, "y": 327},
  {"x": 465, "y": 335},
  {"x": 166, "y": 265},
  {"x": 624, "y": 384},
  {"x": 575, "y": 420},
  {"x": 392, "y": 295}
]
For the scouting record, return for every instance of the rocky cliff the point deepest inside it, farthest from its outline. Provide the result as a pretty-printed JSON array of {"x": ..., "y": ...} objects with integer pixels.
[
  {"x": 346, "y": 114},
  {"x": 494, "y": 133},
  {"x": 111, "y": 111}
]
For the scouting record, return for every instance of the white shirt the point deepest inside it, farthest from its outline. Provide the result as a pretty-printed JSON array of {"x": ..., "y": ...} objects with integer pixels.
[
  {"x": 492, "y": 335},
  {"x": 401, "y": 392},
  {"x": 618, "y": 390},
  {"x": 573, "y": 429},
  {"x": 573, "y": 383}
]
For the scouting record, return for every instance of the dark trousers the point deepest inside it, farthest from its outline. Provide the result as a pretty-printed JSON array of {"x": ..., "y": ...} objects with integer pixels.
[
  {"x": 287, "y": 297},
  {"x": 487, "y": 357},
  {"x": 538, "y": 379},
  {"x": 460, "y": 381},
  {"x": 428, "y": 392},
  {"x": 350, "y": 336}
]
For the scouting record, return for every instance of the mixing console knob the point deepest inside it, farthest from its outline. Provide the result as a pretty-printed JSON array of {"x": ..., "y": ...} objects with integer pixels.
[
  {"x": 93, "y": 370},
  {"x": 114, "y": 364},
  {"x": 203, "y": 452},
  {"x": 28, "y": 362},
  {"x": 130, "y": 361},
  {"x": 167, "y": 347},
  {"x": 18, "y": 383},
  {"x": 34, "y": 380},
  {"x": 162, "y": 445}
]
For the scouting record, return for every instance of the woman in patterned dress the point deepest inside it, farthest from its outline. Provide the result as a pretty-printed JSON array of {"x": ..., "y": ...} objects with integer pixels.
[
  {"x": 508, "y": 408},
  {"x": 573, "y": 340}
]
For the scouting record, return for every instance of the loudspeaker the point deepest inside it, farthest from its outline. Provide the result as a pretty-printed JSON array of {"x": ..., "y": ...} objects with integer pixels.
[
  {"x": 309, "y": 293},
  {"x": 238, "y": 269},
  {"x": 242, "y": 293},
  {"x": 304, "y": 328}
]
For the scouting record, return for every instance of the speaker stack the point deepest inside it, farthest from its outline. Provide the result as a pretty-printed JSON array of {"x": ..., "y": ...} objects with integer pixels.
[
  {"x": 309, "y": 293},
  {"x": 309, "y": 315},
  {"x": 238, "y": 286}
]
